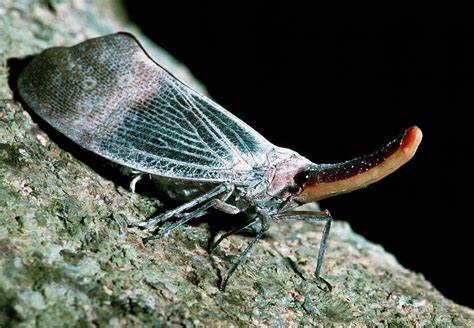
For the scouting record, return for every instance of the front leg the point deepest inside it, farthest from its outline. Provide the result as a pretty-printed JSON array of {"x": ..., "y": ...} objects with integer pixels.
[
  {"x": 323, "y": 216},
  {"x": 231, "y": 232},
  {"x": 264, "y": 220}
]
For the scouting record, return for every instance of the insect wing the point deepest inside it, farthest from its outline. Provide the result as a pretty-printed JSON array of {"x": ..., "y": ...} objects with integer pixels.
[{"x": 110, "y": 97}]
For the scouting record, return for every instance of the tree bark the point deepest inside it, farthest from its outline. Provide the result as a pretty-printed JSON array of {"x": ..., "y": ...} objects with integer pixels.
[{"x": 67, "y": 259}]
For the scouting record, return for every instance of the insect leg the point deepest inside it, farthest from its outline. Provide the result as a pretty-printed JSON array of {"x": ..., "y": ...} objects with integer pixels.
[
  {"x": 134, "y": 181},
  {"x": 323, "y": 216},
  {"x": 217, "y": 203},
  {"x": 263, "y": 217},
  {"x": 185, "y": 217},
  {"x": 198, "y": 200},
  {"x": 137, "y": 176},
  {"x": 234, "y": 230}
]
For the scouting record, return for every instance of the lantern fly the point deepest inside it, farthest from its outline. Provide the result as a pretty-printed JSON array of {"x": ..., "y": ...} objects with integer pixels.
[{"x": 110, "y": 97}]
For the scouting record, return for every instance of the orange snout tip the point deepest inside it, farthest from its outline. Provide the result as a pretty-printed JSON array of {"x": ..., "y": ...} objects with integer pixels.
[{"x": 411, "y": 140}]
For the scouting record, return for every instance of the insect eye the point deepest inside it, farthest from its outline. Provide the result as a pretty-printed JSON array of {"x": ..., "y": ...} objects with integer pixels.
[{"x": 302, "y": 177}]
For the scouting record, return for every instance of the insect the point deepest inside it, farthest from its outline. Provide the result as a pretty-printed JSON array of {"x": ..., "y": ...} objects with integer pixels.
[{"x": 110, "y": 97}]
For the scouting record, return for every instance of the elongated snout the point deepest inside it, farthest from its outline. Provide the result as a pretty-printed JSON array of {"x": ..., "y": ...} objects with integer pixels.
[{"x": 326, "y": 180}]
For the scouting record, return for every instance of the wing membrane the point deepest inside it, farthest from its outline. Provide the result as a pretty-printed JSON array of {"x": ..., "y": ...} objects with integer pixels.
[{"x": 107, "y": 95}]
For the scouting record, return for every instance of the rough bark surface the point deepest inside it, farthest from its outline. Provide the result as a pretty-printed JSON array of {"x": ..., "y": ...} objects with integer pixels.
[{"x": 66, "y": 258}]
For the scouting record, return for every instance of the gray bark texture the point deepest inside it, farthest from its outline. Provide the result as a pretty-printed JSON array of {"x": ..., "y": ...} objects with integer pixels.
[{"x": 66, "y": 258}]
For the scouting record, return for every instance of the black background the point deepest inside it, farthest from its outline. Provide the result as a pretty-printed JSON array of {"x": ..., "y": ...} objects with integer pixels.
[{"x": 335, "y": 81}]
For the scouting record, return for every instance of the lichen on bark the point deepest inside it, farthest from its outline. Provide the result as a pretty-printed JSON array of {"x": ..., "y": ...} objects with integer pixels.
[{"x": 66, "y": 257}]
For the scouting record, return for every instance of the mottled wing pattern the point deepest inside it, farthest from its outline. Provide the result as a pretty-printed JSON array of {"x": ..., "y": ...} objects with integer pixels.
[{"x": 107, "y": 95}]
